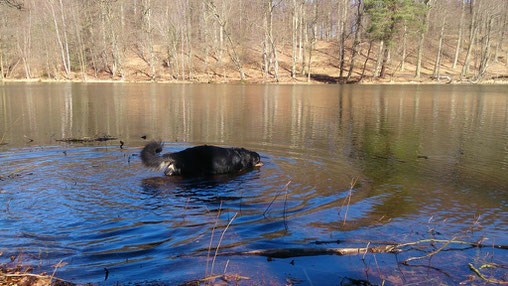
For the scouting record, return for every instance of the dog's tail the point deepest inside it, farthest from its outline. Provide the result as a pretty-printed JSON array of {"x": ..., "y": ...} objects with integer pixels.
[{"x": 150, "y": 156}]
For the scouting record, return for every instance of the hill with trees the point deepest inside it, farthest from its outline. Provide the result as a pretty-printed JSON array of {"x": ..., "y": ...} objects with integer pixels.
[{"x": 254, "y": 40}]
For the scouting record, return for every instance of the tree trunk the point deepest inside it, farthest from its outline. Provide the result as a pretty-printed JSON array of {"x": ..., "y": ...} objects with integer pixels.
[
  {"x": 294, "y": 38},
  {"x": 437, "y": 63},
  {"x": 59, "y": 39},
  {"x": 422, "y": 39},
  {"x": 485, "y": 56},
  {"x": 266, "y": 67},
  {"x": 92, "y": 44},
  {"x": 147, "y": 22},
  {"x": 188, "y": 38},
  {"x": 305, "y": 42},
  {"x": 459, "y": 40},
  {"x": 313, "y": 40},
  {"x": 301, "y": 42},
  {"x": 104, "y": 53},
  {"x": 81, "y": 49},
  {"x": 404, "y": 45},
  {"x": 182, "y": 52},
  {"x": 500, "y": 38},
  {"x": 272, "y": 55},
  {"x": 121, "y": 42},
  {"x": 386, "y": 55},
  {"x": 356, "y": 42},
  {"x": 2, "y": 77},
  {"x": 26, "y": 49},
  {"x": 473, "y": 28},
  {"x": 379, "y": 59},
  {"x": 366, "y": 60},
  {"x": 342, "y": 48},
  {"x": 2, "y": 72},
  {"x": 66, "y": 42},
  {"x": 206, "y": 37}
]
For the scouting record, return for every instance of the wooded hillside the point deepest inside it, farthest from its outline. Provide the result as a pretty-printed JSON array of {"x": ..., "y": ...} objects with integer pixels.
[{"x": 254, "y": 40}]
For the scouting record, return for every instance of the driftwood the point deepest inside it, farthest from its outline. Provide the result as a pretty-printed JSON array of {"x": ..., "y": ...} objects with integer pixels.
[
  {"x": 387, "y": 247},
  {"x": 87, "y": 139},
  {"x": 310, "y": 251},
  {"x": 223, "y": 277}
]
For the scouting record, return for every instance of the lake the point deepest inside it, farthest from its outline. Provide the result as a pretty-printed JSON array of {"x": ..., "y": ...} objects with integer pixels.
[{"x": 344, "y": 167}]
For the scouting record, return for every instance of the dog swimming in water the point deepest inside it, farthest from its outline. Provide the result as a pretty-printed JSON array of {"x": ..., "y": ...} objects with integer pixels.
[{"x": 202, "y": 160}]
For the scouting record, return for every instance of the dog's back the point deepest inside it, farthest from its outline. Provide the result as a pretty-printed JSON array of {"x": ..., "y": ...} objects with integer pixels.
[{"x": 199, "y": 160}]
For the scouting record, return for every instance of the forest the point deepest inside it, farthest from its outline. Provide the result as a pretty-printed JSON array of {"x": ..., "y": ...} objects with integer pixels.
[{"x": 254, "y": 40}]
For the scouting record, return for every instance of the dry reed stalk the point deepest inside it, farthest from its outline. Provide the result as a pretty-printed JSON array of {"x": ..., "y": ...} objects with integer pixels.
[
  {"x": 220, "y": 241},
  {"x": 211, "y": 239},
  {"x": 348, "y": 198}
]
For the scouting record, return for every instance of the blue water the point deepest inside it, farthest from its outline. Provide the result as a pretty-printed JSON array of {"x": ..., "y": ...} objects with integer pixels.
[{"x": 94, "y": 207}]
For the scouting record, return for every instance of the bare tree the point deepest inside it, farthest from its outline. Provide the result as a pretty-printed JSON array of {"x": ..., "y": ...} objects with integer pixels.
[
  {"x": 459, "y": 39},
  {"x": 342, "y": 31},
  {"x": 437, "y": 63},
  {"x": 148, "y": 31},
  {"x": 294, "y": 37},
  {"x": 502, "y": 29},
  {"x": 63, "y": 43},
  {"x": 25, "y": 47},
  {"x": 270, "y": 54},
  {"x": 356, "y": 42},
  {"x": 404, "y": 48},
  {"x": 429, "y": 4},
  {"x": 313, "y": 38},
  {"x": 473, "y": 29},
  {"x": 221, "y": 21}
]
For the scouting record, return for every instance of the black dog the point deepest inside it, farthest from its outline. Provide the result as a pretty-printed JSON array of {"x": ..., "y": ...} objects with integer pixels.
[{"x": 200, "y": 161}]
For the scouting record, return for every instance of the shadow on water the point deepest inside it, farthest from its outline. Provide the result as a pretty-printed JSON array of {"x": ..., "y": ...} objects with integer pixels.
[{"x": 209, "y": 190}]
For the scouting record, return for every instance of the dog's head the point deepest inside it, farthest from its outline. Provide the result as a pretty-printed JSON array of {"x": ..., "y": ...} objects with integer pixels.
[{"x": 254, "y": 159}]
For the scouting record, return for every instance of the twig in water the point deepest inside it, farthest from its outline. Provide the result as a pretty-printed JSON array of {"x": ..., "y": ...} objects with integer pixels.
[
  {"x": 499, "y": 246},
  {"x": 431, "y": 253},
  {"x": 225, "y": 267},
  {"x": 479, "y": 274},
  {"x": 56, "y": 266},
  {"x": 366, "y": 250},
  {"x": 220, "y": 241},
  {"x": 379, "y": 270},
  {"x": 276, "y": 196}
]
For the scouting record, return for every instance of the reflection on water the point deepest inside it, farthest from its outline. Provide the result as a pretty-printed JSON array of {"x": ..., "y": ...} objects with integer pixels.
[{"x": 427, "y": 157}]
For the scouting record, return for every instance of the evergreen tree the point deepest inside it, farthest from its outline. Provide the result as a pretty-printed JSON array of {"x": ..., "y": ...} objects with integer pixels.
[{"x": 386, "y": 17}]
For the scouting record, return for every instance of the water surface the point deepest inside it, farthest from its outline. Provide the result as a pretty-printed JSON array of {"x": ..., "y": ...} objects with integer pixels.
[{"x": 429, "y": 162}]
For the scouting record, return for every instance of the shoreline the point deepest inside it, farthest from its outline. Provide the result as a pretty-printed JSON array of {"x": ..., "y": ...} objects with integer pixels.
[{"x": 261, "y": 82}]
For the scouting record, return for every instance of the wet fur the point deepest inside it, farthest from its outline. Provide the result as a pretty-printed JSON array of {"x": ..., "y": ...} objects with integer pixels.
[{"x": 200, "y": 160}]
